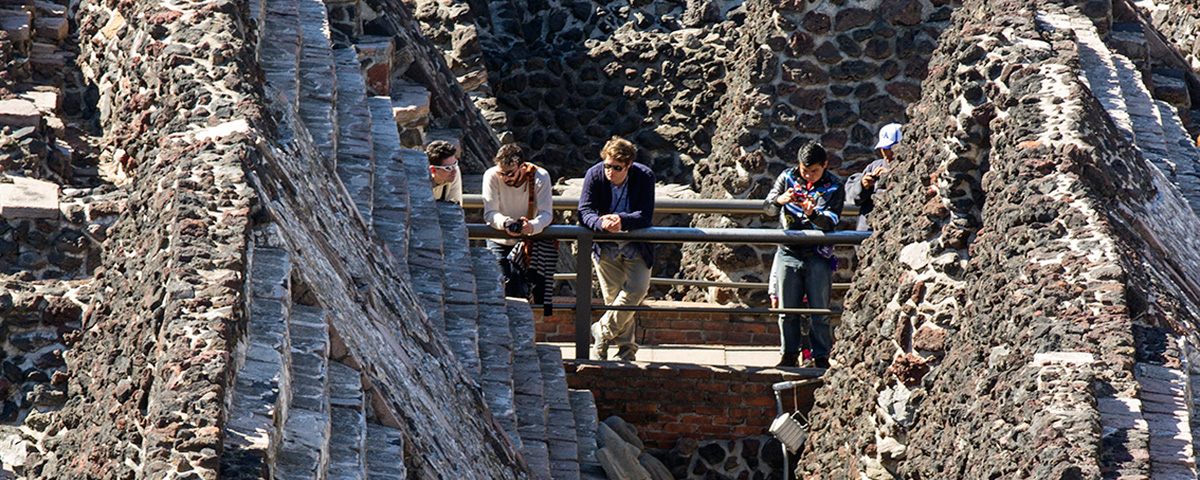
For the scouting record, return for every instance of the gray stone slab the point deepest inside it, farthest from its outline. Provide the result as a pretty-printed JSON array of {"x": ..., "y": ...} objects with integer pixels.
[
  {"x": 270, "y": 274},
  {"x": 385, "y": 453},
  {"x": 19, "y": 113},
  {"x": 345, "y": 387},
  {"x": 347, "y": 445},
  {"x": 27, "y": 197},
  {"x": 583, "y": 405}
]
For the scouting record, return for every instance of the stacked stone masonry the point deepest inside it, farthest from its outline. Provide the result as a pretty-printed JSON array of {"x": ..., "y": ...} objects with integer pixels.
[
  {"x": 206, "y": 354},
  {"x": 1050, "y": 259}
]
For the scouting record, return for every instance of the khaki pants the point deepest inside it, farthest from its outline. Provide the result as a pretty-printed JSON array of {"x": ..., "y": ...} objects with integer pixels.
[{"x": 623, "y": 281}]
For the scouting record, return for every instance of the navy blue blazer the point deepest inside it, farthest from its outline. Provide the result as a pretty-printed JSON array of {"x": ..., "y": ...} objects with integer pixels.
[{"x": 596, "y": 200}]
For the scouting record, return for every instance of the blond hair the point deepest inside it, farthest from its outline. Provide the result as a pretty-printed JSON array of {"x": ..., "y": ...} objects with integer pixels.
[{"x": 619, "y": 150}]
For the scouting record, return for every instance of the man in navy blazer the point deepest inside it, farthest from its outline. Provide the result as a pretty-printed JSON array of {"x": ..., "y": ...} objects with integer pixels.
[{"x": 618, "y": 195}]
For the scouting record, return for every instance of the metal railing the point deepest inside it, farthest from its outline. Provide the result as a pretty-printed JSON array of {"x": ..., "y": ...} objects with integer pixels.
[
  {"x": 585, "y": 237},
  {"x": 718, "y": 206}
]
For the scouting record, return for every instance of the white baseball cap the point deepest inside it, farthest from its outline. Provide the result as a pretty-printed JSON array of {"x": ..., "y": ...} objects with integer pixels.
[{"x": 889, "y": 136}]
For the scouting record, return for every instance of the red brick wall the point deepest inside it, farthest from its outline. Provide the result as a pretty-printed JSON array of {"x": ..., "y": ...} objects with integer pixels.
[
  {"x": 663, "y": 327},
  {"x": 668, "y": 401}
]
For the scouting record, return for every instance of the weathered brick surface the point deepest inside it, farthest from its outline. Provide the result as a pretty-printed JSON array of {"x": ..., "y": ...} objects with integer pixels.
[
  {"x": 665, "y": 327},
  {"x": 669, "y": 401}
]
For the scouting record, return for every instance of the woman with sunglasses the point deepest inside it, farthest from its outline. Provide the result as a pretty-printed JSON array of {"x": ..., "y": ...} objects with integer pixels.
[
  {"x": 443, "y": 171},
  {"x": 618, "y": 195}
]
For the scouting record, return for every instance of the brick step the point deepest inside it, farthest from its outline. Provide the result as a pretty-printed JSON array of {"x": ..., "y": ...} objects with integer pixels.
[
  {"x": 1182, "y": 154},
  {"x": 306, "y": 436},
  {"x": 529, "y": 388},
  {"x": 424, "y": 237},
  {"x": 355, "y": 139},
  {"x": 348, "y": 444},
  {"x": 262, "y": 390},
  {"x": 279, "y": 46},
  {"x": 318, "y": 78},
  {"x": 389, "y": 198},
  {"x": 587, "y": 422},
  {"x": 495, "y": 343},
  {"x": 385, "y": 453},
  {"x": 462, "y": 310},
  {"x": 561, "y": 431}
]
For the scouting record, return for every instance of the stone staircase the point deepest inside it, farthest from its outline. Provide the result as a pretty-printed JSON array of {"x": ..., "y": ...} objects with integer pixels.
[
  {"x": 296, "y": 414},
  {"x": 1152, "y": 125},
  {"x": 1149, "y": 434}
]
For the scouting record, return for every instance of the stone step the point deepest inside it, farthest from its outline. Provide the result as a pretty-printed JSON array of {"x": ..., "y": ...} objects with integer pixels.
[
  {"x": 495, "y": 343},
  {"x": 529, "y": 388},
  {"x": 356, "y": 149},
  {"x": 587, "y": 422},
  {"x": 424, "y": 237},
  {"x": 306, "y": 436},
  {"x": 1182, "y": 154},
  {"x": 462, "y": 309},
  {"x": 390, "y": 212},
  {"x": 385, "y": 453},
  {"x": 317, "y": 77},
  {"x": 348, "y": 442},
  {"x": 1167, "y": 405},
  {"x": 279, "y": 50},
  {"x": 561, "y": 432},
  {"x": 262, "y": 390}
]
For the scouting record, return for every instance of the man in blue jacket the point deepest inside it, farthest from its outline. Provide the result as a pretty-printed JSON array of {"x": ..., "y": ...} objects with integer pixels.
[
  {"x": 618, "y": 195},
  {"x": 806, "y": 197}
]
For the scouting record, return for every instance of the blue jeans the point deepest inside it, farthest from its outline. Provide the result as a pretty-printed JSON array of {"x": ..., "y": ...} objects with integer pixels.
[{"x": 799, "y": 276}]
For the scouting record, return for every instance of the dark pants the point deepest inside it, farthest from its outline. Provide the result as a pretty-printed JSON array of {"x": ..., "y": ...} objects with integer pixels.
[
  {"x": 808, "y": 275},
  {"x": 515, "y": 284}
]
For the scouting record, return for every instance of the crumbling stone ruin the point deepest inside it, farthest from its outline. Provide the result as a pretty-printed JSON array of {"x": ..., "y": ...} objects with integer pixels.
[{"x": 221, "y": 257}]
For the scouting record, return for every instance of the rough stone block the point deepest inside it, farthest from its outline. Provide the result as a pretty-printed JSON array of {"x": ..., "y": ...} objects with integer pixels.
[
  {"x": 376, "y": 61},
  {"x": 410, "y": 105},
  {"x": 620, "y": 462},
  {"x": 19, "y": 113},
  {"x": 16, "y": 23},
  {"x": 29, "y": 198},
  {"x": 45, "y": 102},
  {"x": 53, "y": 28}
]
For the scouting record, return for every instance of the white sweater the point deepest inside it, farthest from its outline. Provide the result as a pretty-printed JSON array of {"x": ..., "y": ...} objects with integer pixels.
[{"x": 502, "y": 202}]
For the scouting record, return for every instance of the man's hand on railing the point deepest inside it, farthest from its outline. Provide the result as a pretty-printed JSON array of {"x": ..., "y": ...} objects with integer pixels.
[{"x": 610, "y": 222}]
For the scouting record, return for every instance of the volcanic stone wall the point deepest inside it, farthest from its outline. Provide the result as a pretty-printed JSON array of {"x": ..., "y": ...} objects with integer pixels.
[
  {"x": 1026, "y": 267},
  {"x": 148, "y": 371},
  {"x": 807, "y": 71},
  {"x": 150, "y": 367}
]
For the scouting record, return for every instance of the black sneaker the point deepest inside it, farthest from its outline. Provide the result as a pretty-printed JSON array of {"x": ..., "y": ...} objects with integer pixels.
[{"x": 790, "y": 360}]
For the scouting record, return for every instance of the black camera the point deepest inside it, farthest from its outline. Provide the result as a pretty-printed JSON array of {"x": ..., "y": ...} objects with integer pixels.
[{"x": 514, "y": 225}]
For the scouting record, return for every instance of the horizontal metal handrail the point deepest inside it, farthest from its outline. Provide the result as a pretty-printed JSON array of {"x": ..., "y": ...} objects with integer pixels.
[
  {"x": 686, "y": 309},
  {"x": 688, "y": 235},
  {"x": 721, "y": 206},
  {"x": 700, "y": 283}
]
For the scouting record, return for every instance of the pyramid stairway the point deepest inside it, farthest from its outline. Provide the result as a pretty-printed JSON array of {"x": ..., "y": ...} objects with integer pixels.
[
  {"x": 298, "y": 414},
  {"x": 1149, "y": 434}
]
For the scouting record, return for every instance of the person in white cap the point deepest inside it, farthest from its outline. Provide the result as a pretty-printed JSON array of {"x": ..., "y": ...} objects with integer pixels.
[{"x": 860, "y": 187}]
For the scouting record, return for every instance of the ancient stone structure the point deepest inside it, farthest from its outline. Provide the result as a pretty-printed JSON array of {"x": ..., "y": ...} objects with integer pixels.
[
  {"x": 1037, "y": 316},
  {"x": 238, "y": 269},
  {"x": 245, "y": 274}
]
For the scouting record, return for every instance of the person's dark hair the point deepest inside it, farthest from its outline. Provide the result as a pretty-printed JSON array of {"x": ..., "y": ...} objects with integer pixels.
[
  {"x": 812, "y": 153},
  {"x": 439, "y": 150},
  {"x": 509, "y": 156}
]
